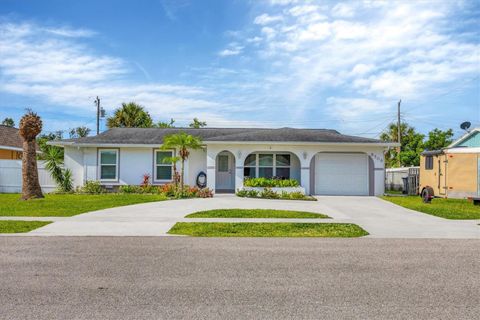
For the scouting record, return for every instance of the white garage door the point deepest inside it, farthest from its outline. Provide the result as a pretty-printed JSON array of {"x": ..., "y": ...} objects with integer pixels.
[{"x": 341, "y": 174}]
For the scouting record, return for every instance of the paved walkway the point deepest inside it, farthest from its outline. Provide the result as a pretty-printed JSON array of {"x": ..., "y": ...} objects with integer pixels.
[{"x": 380, "y": 218}]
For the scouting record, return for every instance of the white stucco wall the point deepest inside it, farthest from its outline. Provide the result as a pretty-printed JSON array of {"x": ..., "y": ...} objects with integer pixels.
[
  {"x": 73, "y": 159},
  {"x": 134, "y": 162},
  {"x": 304, "y": 152}
]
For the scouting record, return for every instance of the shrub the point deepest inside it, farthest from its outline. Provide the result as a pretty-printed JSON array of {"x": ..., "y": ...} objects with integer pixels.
[
  {"x": 150, "y": 189},
  {"x": 270, "y": 183},
  {"x": 92, "y": 187},
  {"x": 296, "y": 195},
  {"x": 205, "y": 193},
  {"x": 242, "y": 193},
  {"x": 252, "y": 193},
  {"x": 168, "y": 190},
  {"x": 145, "y": 181},
  {"x": 129, "y": 189},
  {"x": 268, "y": 193}
]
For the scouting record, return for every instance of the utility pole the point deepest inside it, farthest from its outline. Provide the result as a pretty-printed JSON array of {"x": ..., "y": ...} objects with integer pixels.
[
  {"x": 399, "y": 133},
  {"x": 97, "y": 102}
]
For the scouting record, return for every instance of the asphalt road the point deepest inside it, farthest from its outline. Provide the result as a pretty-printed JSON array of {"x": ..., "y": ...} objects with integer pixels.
[{"x": 201, "y": 278}]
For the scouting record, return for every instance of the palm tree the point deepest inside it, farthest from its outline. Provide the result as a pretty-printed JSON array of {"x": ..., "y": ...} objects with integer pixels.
[
  {"x": 30, "y": 127},
  {"x": 130, "y": 115},
  {"x": 173, "y": 161},
  {"x": 53, "y": 163},
  {"x": 183, "y": 142}
]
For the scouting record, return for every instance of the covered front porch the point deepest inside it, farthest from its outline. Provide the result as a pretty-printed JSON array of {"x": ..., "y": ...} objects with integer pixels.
[{"x": 227, "y": 168}]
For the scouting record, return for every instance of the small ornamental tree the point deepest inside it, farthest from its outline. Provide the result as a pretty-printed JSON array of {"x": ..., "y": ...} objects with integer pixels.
[{"x": 181, "y": 142}]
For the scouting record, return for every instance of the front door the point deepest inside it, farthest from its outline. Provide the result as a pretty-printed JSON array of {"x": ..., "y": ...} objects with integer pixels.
[{"x": 225, "y": 178}]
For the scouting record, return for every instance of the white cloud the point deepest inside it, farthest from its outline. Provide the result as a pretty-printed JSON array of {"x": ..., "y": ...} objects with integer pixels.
[
  {"x": 349, "y": 108},
  {"x": 343, "y": 10},
  {"x": 58, "y": 70},
  {"x": 401, "y": 49},
  {"x": 265, "y": 19}
]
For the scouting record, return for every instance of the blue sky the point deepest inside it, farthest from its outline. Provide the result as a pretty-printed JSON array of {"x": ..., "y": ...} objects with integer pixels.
[{"x": 319, "y": 64}]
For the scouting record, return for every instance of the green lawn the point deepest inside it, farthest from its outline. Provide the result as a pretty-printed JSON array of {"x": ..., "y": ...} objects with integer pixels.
[
  {"x": 12, "y": 226},
  {"x": 255, "y": 213},
  {"x": 215, "y": 229},
  {"x": 66, "y": 205},
  {"x": 444, "y": 208}
]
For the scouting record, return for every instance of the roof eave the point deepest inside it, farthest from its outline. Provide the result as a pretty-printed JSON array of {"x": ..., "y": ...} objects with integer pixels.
[{"x": 133, "y": 145}]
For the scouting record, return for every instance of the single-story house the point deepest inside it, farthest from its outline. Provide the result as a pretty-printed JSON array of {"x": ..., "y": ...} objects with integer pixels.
[
  {"x": 453, "y": 172},
  {"x": 11, "y": 144},
  {"x": 325, "y": 162}
]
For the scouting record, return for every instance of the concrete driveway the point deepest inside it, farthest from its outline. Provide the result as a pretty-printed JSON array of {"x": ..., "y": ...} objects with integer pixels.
[{"x": 380, "y": 218}]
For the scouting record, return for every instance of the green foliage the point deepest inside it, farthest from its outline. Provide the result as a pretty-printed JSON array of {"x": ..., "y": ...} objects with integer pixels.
[
  {"x": 438, "y": 139},
  {"x": 257, "y": 213},
  {"x": 267, "y": 229},
  {"x": 412, "y": 146},
  {"x": 130, "y": 189},
  {"x": 44, "y": 148},
  {"x": 53, "y": 157},
  {"x": 253, "y": 193},
  {"x": 271, "y": 183},
  {"x": 21, "y": 226},
  {"x": 268, "y": 193},
  {"x": 79, "y": 132},
  {"x": 92, "y": 187},
  {"x": 164, "y": 125},
  {"x": 8, "y": 122},
  {"x": 69, "y": 204},
  {"x": 67, "y": 182},
  {"x": 242, "y": 193},
  {"x": 197, "y": 124},
  {"x": 181, "y": 142},
  {"x": 445, "y": 208},
  {"x": 130, "y": 115}
]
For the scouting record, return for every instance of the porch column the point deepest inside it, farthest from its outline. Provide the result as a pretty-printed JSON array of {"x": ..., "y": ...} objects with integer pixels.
[
  {"x": 211, "y": 169},
  {"x": 305, "y": 179},
  {"x": 238, "y": 174}
]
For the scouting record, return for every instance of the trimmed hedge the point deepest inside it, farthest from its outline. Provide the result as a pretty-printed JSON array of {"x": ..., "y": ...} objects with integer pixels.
[{"x": 270, "y": 183}]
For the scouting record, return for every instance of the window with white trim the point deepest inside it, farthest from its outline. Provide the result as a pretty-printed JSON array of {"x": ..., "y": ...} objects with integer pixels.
[
  {"x": 108, "y": 161},
  {"x": 267, "y": 165},
  {"x": 163, "y": 169}
]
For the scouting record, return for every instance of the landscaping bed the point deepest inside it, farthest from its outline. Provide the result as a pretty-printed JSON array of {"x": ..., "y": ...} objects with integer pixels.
[
  {"x": 216, "y": 229},
  {"x": 256, "y": 213},
  {"x": 445, "y": 208},
  {"x": 265, "y": 188},
  {"x": 15, "y": 226}
]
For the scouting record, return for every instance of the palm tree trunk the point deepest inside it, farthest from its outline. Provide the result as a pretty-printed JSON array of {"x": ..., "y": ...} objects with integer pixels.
[
  {"x": 30, "y": 185},
  {"x": 183, "y": 170}
]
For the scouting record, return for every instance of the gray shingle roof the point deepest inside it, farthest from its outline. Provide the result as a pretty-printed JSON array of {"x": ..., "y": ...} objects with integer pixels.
[{"x": 156, "y": 135}]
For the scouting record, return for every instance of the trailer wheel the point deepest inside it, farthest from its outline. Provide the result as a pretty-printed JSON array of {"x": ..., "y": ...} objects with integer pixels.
[{"x": 427, "y": 195}]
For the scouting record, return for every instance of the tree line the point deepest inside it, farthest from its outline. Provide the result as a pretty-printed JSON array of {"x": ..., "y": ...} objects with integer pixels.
[{"x": 413, "y": 144}]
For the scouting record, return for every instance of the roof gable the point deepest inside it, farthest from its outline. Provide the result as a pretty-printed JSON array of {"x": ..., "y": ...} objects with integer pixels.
[{"x": 469, "y": 140}]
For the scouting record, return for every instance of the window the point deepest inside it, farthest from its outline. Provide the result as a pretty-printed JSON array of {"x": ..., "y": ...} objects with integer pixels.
[
  {"x": 163, "y": 168},
  {"x": 222, "y": 163},
  {"x": 267, "y": 166},
  {"x": 108, "y": 164},
  {"x": 428, "y": 162},
  {"x": 282, "y": 166},
  {"x": 249, "y": 170}
]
